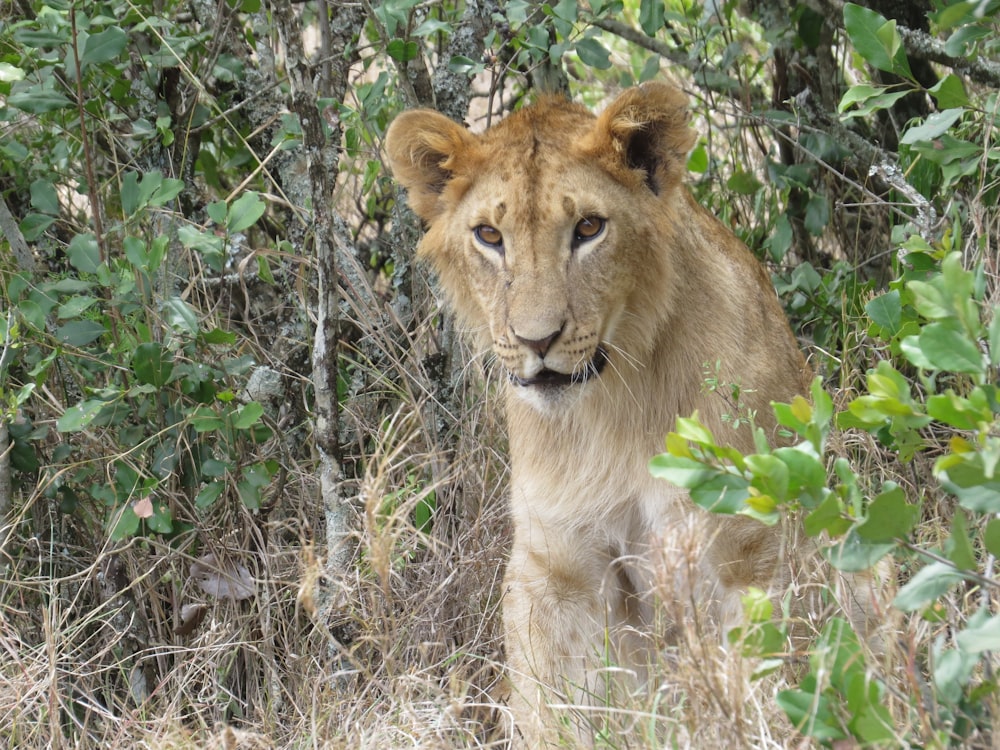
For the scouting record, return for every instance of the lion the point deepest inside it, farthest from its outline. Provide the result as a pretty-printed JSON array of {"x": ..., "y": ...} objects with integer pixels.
[{"x": 568, "y": 244}]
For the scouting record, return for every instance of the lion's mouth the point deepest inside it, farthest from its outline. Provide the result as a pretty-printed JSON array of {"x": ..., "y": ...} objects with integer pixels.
[{"x": 551, "y": 378}]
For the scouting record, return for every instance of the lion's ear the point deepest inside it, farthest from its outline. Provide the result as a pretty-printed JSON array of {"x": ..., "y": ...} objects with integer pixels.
[
  {"x": 646, "y": 128},
  {"x": 425, "y": 149}
]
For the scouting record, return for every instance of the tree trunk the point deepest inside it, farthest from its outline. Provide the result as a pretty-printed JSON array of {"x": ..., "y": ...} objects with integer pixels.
[{"x": 321, "y": 161}]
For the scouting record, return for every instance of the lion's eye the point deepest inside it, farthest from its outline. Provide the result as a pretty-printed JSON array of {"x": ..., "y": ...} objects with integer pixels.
[
  {"x": 588, "y": 228},
  {"x": 489, "y": 236}
]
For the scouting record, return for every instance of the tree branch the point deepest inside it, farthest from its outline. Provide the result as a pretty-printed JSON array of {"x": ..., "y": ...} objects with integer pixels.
[
  {"x": 923, "y": 45},
  {"x": 321, "y": 160},
  {"x": 696, "y": 66}
]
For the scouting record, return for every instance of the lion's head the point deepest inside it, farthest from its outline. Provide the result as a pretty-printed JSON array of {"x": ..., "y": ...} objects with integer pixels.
[{"x": 544, "y": 229}]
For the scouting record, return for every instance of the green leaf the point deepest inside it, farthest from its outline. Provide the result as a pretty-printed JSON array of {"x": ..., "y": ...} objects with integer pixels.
[
  {"x": 136, "y": 253},
  {"x": 161, "y": 522},
  {"x": 862, "y": 27},
  {"x": 80, "y": 332},
  {"x": 248, "y": 415},
  {"x": 933, "y": 127},
  {"x": 208, "y": 244},
  {"x": 869, "y": 99},
  {"x": 991, "y": 537},
  {"x": 853, "y": 554},
  {"x": 250, "y": 487},
  {"x": 910, "y": 348},
  {"x": 770, "y": 475},
  {"x": 40, "y": 38},
  {"x": 810, "y": 713},
  {"x": 961, "y": 552},
  {"x": 892, "y": 42},
  {"x": 157, "y": 251},
  {"x": 75, "y": 306},
  {"x": 947, "y": 347},
  {"x": 129, "y": 194},
  {"x": 930, "y": 301},
  {"x": 780, "y": 241},
  {"x": 949, "y": 92},
  {"x": 10, "y": 73},
  {"x": 985, "y": 637},
  {"x": 817, "y": 214},
  {"x": 968, "y": 481},
  {"x": 147, "y": 187},
  {"x": 651, "y": 16},
  {"x": 84, "y": 254},
  {"x": 181, "y": 316},
  {"x": 838, "y": 654},
  {"x": 151, "y": 364},
  {"x": 34, "y": 225},
  {"x": 698, "y": 160},
  {"x": 886, "y": 311},
  {"x": 464, "y": 65},
  {"x": 205, "y": 419},
  {"x": 564, "y": 14},
  {"x": 126, "y": 524},
  {"x": 829, "y": 516},
  {"x": 219, "y": 336},
  {"x": 103, "y": 47},
  {"x": 963, "y": 40},
  {"x": 872, "y": 722},
  {"x": 959, "y": 13},
  {"x": 651, "y": 70},
  {"x": 44, "y": 198},
  {"x": 593, "y": 54},
  {"x": 168, "y": 189},
  {"x": 402, "y": 50},
  {"x": 217, "y": 211},
  {"x": 680, "y": 471},
  {"x": 806, "y": 473},
  {"x": 963, "y": 413},
  {"x": 724, "y": 493},
  {"x": 928, "y": 584},
  {"x": 690, "y": 428},
  {"x": 38, "y": 101},
  {"x": 431, "y": 26},
  {"x": 244, "y": 212},
  {"x": 890, "y": 517},
  {"x": 743, "y": 182},
  {"x": 77, "y": 417},
  {"x": 209, "y": 494},
  {"x": 423, "y": 512}
]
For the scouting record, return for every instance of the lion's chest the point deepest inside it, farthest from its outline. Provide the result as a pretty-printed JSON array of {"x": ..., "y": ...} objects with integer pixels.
[{"x": 593, "y": 486}]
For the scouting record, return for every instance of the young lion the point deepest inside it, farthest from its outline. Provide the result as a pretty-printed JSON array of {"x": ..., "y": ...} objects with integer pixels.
[{"x": 568, "y": 242}]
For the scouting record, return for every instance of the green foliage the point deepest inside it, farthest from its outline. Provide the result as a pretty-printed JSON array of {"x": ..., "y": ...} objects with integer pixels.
[
  {"x": 145, "y": 375},
  {"x": 936, "y": 321},
  {"x": 839, "y": 699}
]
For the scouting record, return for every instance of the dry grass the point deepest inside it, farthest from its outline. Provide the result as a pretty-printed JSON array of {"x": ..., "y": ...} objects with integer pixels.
[{"x": 412, "y": 661}]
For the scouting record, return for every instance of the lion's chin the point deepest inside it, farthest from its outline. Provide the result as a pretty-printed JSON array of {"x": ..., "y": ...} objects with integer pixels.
[{"x": 551, "y": 379}]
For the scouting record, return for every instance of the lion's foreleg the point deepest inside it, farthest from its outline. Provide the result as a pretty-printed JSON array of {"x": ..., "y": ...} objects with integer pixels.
[{"x": 556, "y": 625}]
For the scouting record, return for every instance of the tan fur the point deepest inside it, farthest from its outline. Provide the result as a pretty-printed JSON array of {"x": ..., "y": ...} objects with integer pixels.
[{"x": 665, "y": 289}]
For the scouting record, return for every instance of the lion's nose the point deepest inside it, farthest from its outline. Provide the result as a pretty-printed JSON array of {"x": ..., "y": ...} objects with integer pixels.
[{"x": 542, "y": 345}]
